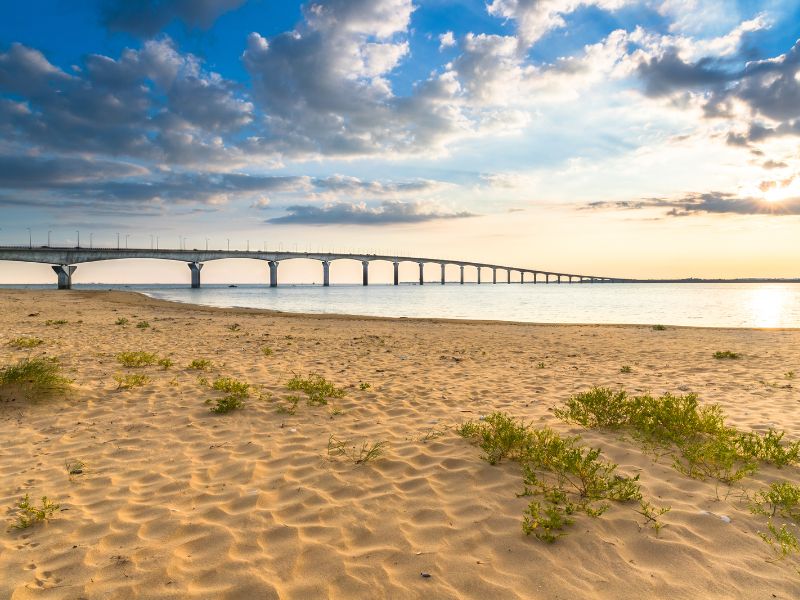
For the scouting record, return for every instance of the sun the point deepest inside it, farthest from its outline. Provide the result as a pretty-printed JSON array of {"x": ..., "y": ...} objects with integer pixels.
[{"x": 781, "y": 190}]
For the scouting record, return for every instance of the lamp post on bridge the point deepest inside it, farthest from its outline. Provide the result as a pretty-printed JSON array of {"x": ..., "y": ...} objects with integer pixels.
[
  {"x": 229, "y": 244},
  {"x": 30, "y": 238},
  {"x": 79, "y": 239}
]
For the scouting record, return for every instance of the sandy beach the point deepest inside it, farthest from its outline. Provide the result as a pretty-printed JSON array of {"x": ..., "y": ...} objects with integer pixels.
[{"x": 174, "y": 501}]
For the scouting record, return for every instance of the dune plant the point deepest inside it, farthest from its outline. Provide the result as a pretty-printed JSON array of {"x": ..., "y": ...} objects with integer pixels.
[
  {"x": 266, "y": 351},
  {"x": 358, "y": 454},
  {"x": 726, "y": 354},
  {"x": 317, "y": 389},
  {"x": 363, "y": 386},
  {"x": 235, "y": 327},
  {"x": 25, "y": 343},
  {"x": 142, "y": 325},
  {"x": 56, "y": 322},
  {"x": 236, "y": 392},
  {"x": 28, "y": 514},
  {"x": 165, "y": 363},
  {"x": 127, "y": 382},
  {"x": 122, "y": 321},
  {"x": 74, "y": 467},
  {"x": 701, "y": 443},
  {"x": 659, "y": 328},
  {"x": 200, "y": 364},
  {"x": 566, "y": 478},
  {"x": 290, "y": 407},
  {"x": 35, "y": 375},
  {"x": 134, "y": 360},
  {"x": 626, "y": 369}
]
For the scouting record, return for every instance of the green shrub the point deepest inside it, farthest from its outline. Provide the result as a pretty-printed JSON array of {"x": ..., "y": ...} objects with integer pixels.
[
  {"x": 626, "y": 369},
  {"x": 41, "y": 374},
  {"x": 318, "y": 389},
  {"x": 126, "y": 382},
  {"x": 165, "y": 363},
  {"x": 235, "y": 327},
  {"x": 291, "y": 407},
  {"x": 143, "y": 325},
  {"x": 28, "y": 514},
  {"x": 566, "y": 478},
  {"x": 266, "y": 351},
  {"x": 236, "y": 392},
  {"x": 56, "y": 322},
  {"x": 135, "y": 360},
  {"x": 363, "y": 386},
  {"x": 366, "y": 452},
  {"x": 659, "y": 328},
  {"x": 782, "y": 541},
  {"x": 122, "y": 321},
  {"x": 726, "y": 354},
  {"x": 200, "y": 364},
  {"x": 706, "y": 446},
  {"x": 781, "y": 499},
  {"x": 25, "y": 342}
]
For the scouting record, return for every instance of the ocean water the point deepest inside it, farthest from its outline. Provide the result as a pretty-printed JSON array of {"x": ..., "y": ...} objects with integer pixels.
[{"x": 695, "y": 304}]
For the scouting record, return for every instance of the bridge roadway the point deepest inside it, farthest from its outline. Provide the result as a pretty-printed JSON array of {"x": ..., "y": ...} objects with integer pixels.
[{"x": 64, "y": 261}]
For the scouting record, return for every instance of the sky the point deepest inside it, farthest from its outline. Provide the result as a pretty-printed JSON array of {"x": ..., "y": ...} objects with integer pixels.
[{"x": 628, "y": 138}]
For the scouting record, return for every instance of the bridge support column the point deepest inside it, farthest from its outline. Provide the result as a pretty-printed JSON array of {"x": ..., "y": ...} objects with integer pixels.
[
  {"x": 195, "y": 268},
  {"x": 326, "y": 273},
  {"x": 547, "y": 277},
  {"x": 479, "y": 275},
  {"x": 273, "y": 273},
  {"x": 559, "y": 279},
  {"x": 462, "y": 274},
  {"x": 64, "y": 273},
  {"x": 522, "y": 276},
  {"x": 443, "y": 268},
  {"x": 421, "y": 273},
  {"x": 534, "y": 276},
  {"x": 396, "y": 273},
  {"x": 508, "y": 275},
  {"x": 365, "y": 272},
  {"x": 494, "y": 275}
]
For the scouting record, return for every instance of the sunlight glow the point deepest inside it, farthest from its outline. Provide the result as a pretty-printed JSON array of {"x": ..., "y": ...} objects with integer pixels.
[{"x": 768, "y": 306}]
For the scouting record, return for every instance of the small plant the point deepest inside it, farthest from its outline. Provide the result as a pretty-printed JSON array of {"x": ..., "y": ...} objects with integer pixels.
[
  {"x": 789, "y": 375},
  {"x": 127, "y": 382},
  {"x": 318, "y": 389},
  {"x": 291, "y": 407},
  {"x": 540, "y": 365},
  {"x": 56, "y": 322},
  {"x": 235, "y": 327},
  {"x": 360, "y": 455},
  {"x": 41, "y": 374},
  {"x": 74, "y": 467},
  {"x": 135, "y": 360},
  {"x": 236, "y": 392},
  {"x": 652, "y": 513},
  {"x": 726, "y": 355},
  {"x": 122, "y": 321},
  {"x": 626, "y": 369},
  {"x": 659, "y": 328},
  {"x": 28, "y": 514},
  {"x": 364, "y": 386},
  {"x": 25, "y": 342},
  {"x": 266, "y": 351},
  {"x": 781, "y": 498},
  {"x": 165, "y": 363},
  {"x": 142, "y": 325},
  {"x": 200, "y": 364},
  {"x": 782, "y": 541}
]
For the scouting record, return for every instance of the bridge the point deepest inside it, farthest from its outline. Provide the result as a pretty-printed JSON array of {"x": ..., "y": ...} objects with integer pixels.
[{"x": 64, "y": 261}]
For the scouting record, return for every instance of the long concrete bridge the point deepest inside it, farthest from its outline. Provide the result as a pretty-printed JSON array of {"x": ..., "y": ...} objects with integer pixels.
[{"x": 65, "y": 260}]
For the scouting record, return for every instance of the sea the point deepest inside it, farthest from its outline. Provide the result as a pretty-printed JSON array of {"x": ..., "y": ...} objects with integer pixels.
[{"x": 759, "y": 305}]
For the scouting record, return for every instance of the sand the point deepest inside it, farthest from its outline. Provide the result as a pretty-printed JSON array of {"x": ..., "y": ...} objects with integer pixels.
[{"x": 177, "y": 502}]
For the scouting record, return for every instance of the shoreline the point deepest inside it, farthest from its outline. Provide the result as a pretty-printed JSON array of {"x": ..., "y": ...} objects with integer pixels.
[
  {"x": 347, "y": 316},
  {"x": 176, "y": 502}
]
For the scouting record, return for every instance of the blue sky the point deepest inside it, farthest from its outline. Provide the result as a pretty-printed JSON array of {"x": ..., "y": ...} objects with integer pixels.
[{"x": 556, "y": 134}]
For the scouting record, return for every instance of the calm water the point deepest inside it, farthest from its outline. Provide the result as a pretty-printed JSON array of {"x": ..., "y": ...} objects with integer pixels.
[{"x": 706, "y": 305}]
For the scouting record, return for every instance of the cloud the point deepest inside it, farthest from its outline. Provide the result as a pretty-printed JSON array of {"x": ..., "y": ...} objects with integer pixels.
[
  {"x": 706, "y": 203},
  {"x": 153, "y": 103},
  {"x": 446, "y": 40},
  {"x": 148, "y": 17},
  {"x": 535, "y": 18},
  {"x": 342, "y": 213}
]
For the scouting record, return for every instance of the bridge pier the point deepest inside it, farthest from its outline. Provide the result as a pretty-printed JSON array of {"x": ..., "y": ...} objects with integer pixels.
[
  {"x": 364, "y": 272},
  {"x": 494, "y": 275},
  {"x": 64, "y": 273},
  {"x": 508, "y": 275},
  {"x": 559, "y": 279},
  {"x": 195, "y": 268},
  {"x": 522, "y": 276},
  {"x": 534, "y": 276},
  {"x": 326, "y": 273},
  {"x": 421, "y": 273},
  {"x": 273, "y": 273},
  {"x": 547, "y": 277},
  {"x": 462, "y": 274},
  {"x": 396, "y": 273},
  {"x": 443, "y": 268},
  {"x": 479, "y": 275}
]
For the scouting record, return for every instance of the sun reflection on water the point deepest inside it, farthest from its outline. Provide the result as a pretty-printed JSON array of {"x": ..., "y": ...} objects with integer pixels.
[{"x": 768, "y": 306}]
